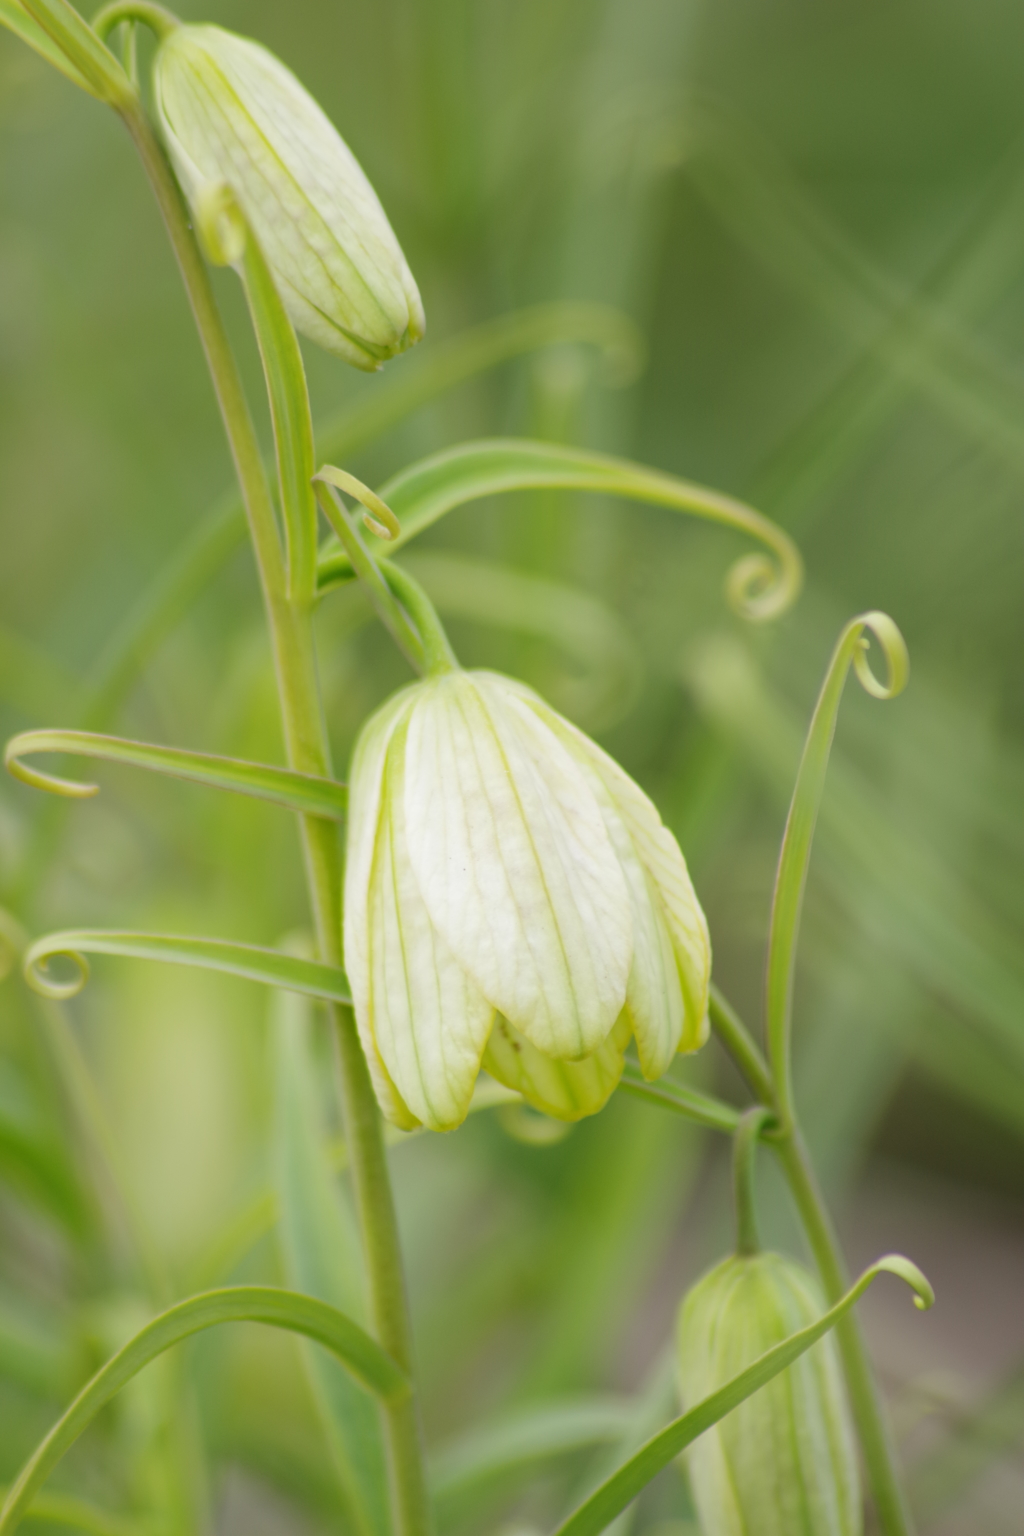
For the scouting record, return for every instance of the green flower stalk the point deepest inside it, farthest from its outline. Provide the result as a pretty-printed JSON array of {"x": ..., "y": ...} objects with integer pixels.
[
  {"x": 512, "y": 900},
  {"x": 784, "y": 1463},
  {"x": 230, "y": 112}
]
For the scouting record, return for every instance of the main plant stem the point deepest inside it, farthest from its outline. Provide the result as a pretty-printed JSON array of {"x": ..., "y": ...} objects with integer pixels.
[
  {"x": 291, "y": 632},
  {"x": 865, "y": 1400}
]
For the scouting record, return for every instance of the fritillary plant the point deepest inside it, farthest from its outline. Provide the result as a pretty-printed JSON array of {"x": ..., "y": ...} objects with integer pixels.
[{"x": 499, "y": 914}]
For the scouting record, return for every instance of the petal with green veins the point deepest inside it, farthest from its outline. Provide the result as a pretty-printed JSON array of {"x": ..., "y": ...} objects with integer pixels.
[
  {"x": 510, "y": 852},
  {"x": 566, "y": 1090},
  {"x": 428, "y": 1019},
  {"x": 364, "y": 835}
]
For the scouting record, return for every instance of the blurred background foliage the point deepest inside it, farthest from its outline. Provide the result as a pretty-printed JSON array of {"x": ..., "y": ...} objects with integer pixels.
[{"x": 813, "y": 214}]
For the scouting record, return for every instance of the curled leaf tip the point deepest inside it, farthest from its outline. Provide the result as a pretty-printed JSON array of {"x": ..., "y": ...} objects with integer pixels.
[
  {"x": 36, "y": 967},
  {"x": 760, "y": 587},
  {"x": 29, "y": 741},
  {"x": 377, "y": 515},
  {"x": 896, "y": 1264},
  {"x": 894, "y": 650}
]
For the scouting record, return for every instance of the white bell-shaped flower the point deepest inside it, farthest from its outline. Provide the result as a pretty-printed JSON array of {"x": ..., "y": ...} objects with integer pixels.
[
  {"x": 231, "y": 112},
  {"x": 512, "y": 900}
]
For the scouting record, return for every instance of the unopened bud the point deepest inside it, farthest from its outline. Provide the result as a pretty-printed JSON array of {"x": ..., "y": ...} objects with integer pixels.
[
  {"x": 784, "y": 1462},
  {"x": 232, "y": 113}
]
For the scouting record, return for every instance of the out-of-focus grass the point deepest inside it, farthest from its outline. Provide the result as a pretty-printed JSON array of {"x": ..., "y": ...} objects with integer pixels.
[{"x": 815, "y": 215}]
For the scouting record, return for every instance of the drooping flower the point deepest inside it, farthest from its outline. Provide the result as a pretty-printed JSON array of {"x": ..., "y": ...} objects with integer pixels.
[
  {"x": 784, "y": 1463},
  {"x": 230, "y": 112},
  {"x": 512, "y": 900}
]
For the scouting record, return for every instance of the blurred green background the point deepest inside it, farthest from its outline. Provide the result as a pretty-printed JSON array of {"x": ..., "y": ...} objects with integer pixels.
[{"x": 813, "y": 213}]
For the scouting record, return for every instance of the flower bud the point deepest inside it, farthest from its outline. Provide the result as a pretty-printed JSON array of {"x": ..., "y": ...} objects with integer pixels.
[
  {"x": 231, "y": 112},
  {"x": 512, "y": 899},
  {"x": 784, "y": 1462}
]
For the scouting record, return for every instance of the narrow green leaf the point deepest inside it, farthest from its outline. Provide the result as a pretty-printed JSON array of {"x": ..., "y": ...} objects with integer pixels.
[
  {"x": 244, "y": 960},
  {"x": 32, "y": 1158},
  {"x": 360, "y": 1354},
  {"x": 302, "y": 792},
  {"x": 78, "y": 1515},
  {"x": 795, "y": 854},
  {"x": 78, "y": 45},
  {"x": 320, "y": 1246},
  {"x": 601, "y": 1508},
  {"x": 957, "y": 946},
  {"x": 699, "y": 1107},
  {"x": 38, "y": 1346},
  {"x": 435, "y": 368},
  {"x": 16, "y": 19},
  {"x": 529, "y": 1436},
  {"x": 287, "y": 391},
  {"x": 761, "y": 586}
]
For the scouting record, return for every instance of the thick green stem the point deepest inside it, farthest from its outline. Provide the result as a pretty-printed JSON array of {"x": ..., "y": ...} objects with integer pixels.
[
  {"x": 865, "y": 1399},
  {"x": 868, "y": 1409},
  {"x": 306, "y": 746}
]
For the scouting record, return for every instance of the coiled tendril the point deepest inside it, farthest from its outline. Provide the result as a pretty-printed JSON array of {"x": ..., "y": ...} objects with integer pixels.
[{"x": 37, "y": 965}]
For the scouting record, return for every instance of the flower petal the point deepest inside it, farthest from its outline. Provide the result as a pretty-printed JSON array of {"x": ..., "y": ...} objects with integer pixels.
[
  {"x": 366, "y": 782},
  {"x": 654, "y": 997},
  {"x": 566, "y": 1090},
  {"x": 428, "y": 1019},
  {"x": 511, "y": 854},
  {"x": 675, "y": 910},
  {"x": 230, "y": 111}
]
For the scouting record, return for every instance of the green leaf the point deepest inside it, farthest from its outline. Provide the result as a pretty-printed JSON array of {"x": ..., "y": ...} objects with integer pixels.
[
  {"x": 619, "y": 1490},
  {"x": 958, "y": 947},
  {"x": 288, "y": 396},
  {"x": 244, "y": 960},
  {"x": 14, "y": 17},
  {"x": 689, "y": 1102},
  {"x": 803, "y": 815},
  {"x": 435, "y": 368},
  {"x": 761, "y": 586},
  {"x": 360, "y": 1354},
  {"x": 38, "y": 1349},
  {"x": 31, "y": 1156},
  {"x": 302, "y": 792},
  {"x": 78, "y": 1515},
  {"x": 320, "y": 1247},
  {"x": 526, "y": 1437},
  {"x": 86, "y": 60}
]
